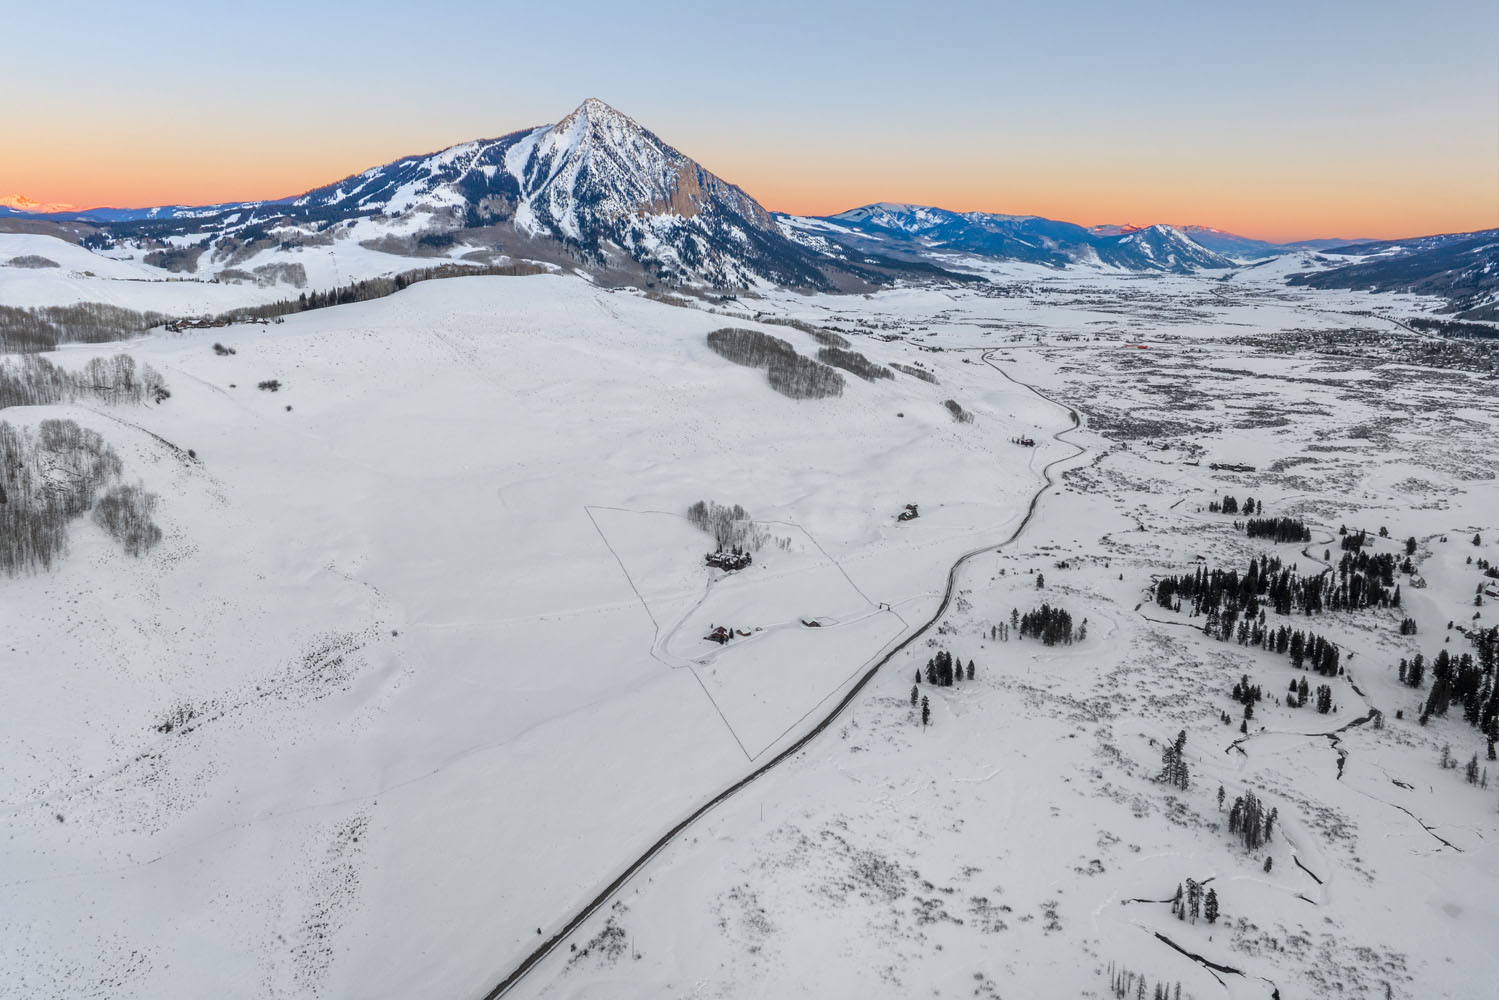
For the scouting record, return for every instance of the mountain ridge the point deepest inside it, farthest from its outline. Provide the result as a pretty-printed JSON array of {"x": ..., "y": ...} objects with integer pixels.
[{"x": 598, "y": 190}]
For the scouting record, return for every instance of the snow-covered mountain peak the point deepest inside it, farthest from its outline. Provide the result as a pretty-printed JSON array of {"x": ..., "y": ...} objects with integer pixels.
[
  {"x": 595, "y": 170},
  {"x": 599, "y": 114},
  {"x": 896, "y": 216},
  {"x": 21, "y": 203}
]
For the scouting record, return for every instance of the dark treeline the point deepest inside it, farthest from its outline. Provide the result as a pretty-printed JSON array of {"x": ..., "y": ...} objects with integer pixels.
[
  {"x": 375, "y": 288},
  {"x": 1453, "y": 328},
  {"x": 854, "y": 362},
  {"x": 49, "y": 478},
  {"x": 27, "y": 331},
  {"x": 1306, "y": 650},
  {"x": 789, "y": 373},
  {"x": 914, "y": 372},
  {"x": 826, "y": 338},
  {"x": 1281, "y": 529},
  {"x": 1050, "y": 625},
  {"x": 1361, "y": 580},
  {"x": 32, "y": 380},
  {"x": 750, "y": 348}
]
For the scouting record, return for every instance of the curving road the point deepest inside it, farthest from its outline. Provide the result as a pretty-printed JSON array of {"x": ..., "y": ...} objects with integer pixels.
[{"x": 588, "y": 909}]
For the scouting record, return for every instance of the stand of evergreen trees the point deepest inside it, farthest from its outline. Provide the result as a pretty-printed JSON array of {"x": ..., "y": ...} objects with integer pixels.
[
  {"x": 1050, "y": 625},
  {"x": 1194, "y": 902},
  {"x": 1360, "y": 581},
  {"x": 944, "y": 669},
  {"x": 1174, "y": 769},
  {"x": 1281, "y": 529},
  {"x": 1231, "y": 505},
  {"x": 1300, "y": 693},
  {"x": 1465, "y": 681},
  {"x": 1250, "y": 821}
]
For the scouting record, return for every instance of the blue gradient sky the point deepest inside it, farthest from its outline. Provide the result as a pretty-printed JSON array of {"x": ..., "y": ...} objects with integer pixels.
[{"x": 1279, "y": 120}]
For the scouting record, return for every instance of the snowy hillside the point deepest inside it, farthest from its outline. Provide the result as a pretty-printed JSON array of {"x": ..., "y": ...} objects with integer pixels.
[{"x": 421, "y": 662}]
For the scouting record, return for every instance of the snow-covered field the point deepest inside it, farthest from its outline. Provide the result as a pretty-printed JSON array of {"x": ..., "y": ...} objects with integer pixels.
[{"x": 429, "y": 622}]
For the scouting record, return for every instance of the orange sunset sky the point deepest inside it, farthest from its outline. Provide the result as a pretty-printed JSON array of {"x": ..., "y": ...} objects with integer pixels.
[{"x": 1351, "y": 120}]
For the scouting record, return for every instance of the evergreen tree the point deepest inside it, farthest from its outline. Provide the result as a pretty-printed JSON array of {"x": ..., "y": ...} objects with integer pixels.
[
  {"x": 1210, "y": 907},
  {"x": 1173, "y": 763},
  {"x": 970, "y": 669},
  {"x": 1246, "y": 819},
  {"x": 926, "y": 711},
  {"x": 915, "y": 695}
]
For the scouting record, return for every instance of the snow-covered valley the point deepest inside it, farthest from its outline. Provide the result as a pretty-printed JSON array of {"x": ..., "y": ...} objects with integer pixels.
[{"x": 418, "y": 666}]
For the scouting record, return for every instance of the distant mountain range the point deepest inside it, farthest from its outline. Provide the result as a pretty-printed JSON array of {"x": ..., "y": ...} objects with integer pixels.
[
  {"x": 1460, "y": 267},
  {"x": 905, "y": 230},
  {"x": 598, "y": 191}
]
